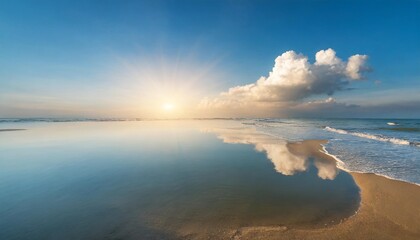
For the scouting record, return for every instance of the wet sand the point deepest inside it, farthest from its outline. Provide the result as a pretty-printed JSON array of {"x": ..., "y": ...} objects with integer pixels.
[{"x": 389, "y": 209}]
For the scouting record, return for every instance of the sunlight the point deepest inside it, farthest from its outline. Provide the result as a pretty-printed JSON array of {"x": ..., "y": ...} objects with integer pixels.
[{"x": 168, "y": 107}]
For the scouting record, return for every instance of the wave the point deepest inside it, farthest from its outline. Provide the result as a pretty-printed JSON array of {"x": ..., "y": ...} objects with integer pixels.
[
  {"x": 343, "y": 166},
  {"x": 374, "y": 137}
]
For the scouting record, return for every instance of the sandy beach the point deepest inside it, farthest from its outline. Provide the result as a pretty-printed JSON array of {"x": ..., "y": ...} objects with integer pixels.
[{"x": 389, "y": 209}]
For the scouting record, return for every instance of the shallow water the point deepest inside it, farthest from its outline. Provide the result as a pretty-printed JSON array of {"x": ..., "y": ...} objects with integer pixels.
[
  {"x": 158, "y": 180},
  {"x": 389, "y": 147}
]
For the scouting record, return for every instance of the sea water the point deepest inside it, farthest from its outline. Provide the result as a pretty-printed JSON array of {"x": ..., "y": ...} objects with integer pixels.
[
  {"x": 158, "y": 180},
  {"x": 389, "y": 147}
]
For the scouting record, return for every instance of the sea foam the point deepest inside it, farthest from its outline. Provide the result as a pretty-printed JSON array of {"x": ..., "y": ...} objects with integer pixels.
[{"x": 373, "y": 137}]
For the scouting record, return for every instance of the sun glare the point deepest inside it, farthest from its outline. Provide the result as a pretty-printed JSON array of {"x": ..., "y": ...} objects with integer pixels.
[{"x": 168, "y": 107}]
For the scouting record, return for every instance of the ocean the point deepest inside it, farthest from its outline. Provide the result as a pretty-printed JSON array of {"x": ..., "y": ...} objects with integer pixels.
[{"x": 388, "y": 147}]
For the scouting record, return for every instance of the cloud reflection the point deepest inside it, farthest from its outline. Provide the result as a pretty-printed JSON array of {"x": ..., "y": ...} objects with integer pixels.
[{"x": 287, "y": 158}]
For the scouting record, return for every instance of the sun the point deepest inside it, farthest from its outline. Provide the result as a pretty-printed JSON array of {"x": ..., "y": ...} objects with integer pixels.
[{"x": 168, "y": 107}]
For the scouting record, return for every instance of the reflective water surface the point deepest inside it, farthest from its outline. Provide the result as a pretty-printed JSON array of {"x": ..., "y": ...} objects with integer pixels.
[
  {"x": 279, "y": 152},
  {"x": 160, "y": 180}
]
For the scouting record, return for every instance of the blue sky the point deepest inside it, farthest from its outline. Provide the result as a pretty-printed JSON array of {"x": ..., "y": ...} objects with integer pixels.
[{"x": 80, "y": 58}]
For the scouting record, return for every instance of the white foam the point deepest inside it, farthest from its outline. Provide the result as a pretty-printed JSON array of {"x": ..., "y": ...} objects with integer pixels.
[
  {"x": 370, "y": 136},
  {"x": 336, "y": 130},
  {"x": 341, "y": 165}
]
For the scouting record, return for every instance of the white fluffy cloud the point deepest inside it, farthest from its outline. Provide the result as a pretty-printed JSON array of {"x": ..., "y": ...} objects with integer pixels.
[{"x": 294, "y": 78}]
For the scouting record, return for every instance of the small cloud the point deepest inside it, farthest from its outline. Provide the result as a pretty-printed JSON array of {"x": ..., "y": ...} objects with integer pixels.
[{"x": 355, "y": 66}]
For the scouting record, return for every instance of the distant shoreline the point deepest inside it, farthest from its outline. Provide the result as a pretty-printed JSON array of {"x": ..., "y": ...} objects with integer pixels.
[{"x": 12, "y": 129}]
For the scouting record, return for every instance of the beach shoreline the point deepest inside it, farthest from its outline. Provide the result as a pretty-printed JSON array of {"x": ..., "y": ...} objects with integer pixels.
[{"x": 389, "y": 208}]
